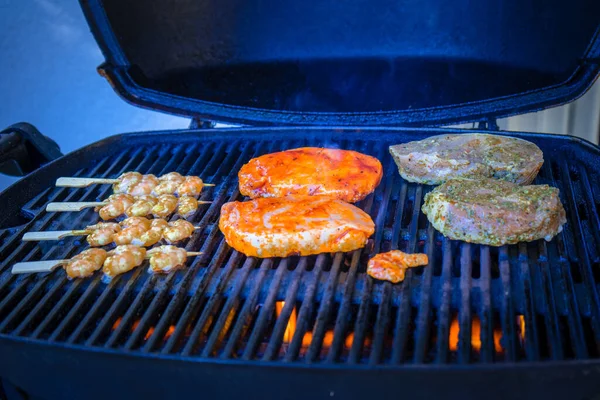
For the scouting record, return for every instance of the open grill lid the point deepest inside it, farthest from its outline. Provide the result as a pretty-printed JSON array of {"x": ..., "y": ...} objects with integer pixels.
[{"x": 382, "y": 62}]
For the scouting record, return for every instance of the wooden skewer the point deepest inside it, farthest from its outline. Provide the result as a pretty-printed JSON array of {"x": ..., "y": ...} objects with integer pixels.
[
  {"x": 73, "y": 206},
  {"x": 30, "y": 267},
  {"x": 80, "y": 205},
  {"x": 36, "y": 266},
  {"x": 52, "y": 235},
  {"x": 85, "y": 182},
  {"x": 57, "y": 235}
]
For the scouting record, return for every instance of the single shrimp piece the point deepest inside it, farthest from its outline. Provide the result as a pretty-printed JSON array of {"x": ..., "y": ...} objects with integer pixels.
[
  {"x": 178, "y": 230},
  {"x": 102, "y": 233},
  {"x": 145, "y": 186},
  {"x": 188, "y": 206},
  {"x": 168, "y": 183},
  {"x": 164, "y": 259},
  {"x": 166, "y": 205},
  {"x": 133, "y": 227},
  {"x": 123, "y": 259},
  {"x": 85, "y": 263},
  {"x": 117, "y": 204},
  {"x": 152, "y": 235},
  {"x": 126, "y": 181},
  {"x": 391, "y": 266},
  {"x": 191, "y": 186},
  {"x": 142, "y": 206}
]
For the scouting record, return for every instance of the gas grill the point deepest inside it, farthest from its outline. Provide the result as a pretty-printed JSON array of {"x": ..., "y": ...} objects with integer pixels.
[{"x": 512, "y": 321}]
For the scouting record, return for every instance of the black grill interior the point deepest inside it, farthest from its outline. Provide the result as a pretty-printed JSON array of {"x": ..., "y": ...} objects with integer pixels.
[{"x": 473, "y": 304}]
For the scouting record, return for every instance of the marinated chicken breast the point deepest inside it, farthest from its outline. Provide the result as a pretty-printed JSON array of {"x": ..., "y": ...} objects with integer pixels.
[
  {"x": 439, "y": 158},
  {"x": 494, "y": 212},
  {"x": 296, "y": 225},
  {"x": 343, "y": 174}
]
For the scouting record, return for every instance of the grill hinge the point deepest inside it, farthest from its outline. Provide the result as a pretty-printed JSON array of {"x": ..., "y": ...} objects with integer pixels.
[
  {"x": 201, "y": 124},
  {"x": 489, "y": 124}
]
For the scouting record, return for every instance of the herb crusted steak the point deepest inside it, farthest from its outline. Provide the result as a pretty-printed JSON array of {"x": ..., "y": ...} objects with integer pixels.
[
  {"x": 439, "y": 158},
  {"x": 494, "y": 212}
]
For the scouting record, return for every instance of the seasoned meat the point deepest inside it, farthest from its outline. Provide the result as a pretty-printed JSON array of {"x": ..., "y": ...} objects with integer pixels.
[
  {"x": 296, "y": 225},
  {"x": 165, "y": 259},
  {"x": 391, "y": 266},
  {"x": 122, "y": 259},
  {"x": 85, "y": 263},
  {"x": 436, "y": 159},
  {"x": 494, "y": 212},
  {"x": 343, "y": 174}
]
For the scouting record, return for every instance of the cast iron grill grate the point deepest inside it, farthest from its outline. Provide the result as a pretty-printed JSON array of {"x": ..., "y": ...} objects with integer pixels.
[{"x": 473, "y": 304}]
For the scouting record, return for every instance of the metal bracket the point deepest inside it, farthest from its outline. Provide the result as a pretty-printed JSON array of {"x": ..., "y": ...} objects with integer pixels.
[
  {"x": 489, "y": 124},
  {"x": 201, "y": 124}
]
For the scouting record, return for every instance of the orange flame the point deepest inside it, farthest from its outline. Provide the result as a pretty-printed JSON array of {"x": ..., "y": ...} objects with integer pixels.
[
  {"x": 475, "y": 335},
  {"x": 291, "y": 325},
  {"x": 521, "y": 325},
  {"x": 116, "y": 324}
]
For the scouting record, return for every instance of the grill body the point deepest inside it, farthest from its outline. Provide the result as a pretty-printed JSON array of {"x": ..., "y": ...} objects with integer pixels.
[{"x": 509, "y": 321}]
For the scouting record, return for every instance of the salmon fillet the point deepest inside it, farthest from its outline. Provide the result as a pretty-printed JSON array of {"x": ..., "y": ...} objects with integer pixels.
[
  {"x": 296, "y": 225},
  {"x": 435, "y": 160},
  {"x": 494, "y": 212},
  {"x": 344, "y": 174}
]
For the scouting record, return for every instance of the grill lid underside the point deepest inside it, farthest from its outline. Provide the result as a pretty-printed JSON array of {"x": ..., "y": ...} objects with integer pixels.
[{"x": 428, "y": 62}]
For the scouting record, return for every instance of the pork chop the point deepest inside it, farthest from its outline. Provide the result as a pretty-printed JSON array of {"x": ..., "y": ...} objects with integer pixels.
[
  {"x": 439, "y": 158},
  {"x": 494, "y": 212}
]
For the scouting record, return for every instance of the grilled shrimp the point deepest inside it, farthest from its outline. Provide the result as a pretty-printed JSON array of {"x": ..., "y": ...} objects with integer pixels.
[
  {"x": 191, "y": 186},
  {"x": 152, "y": 235},
  {"x": 167, "y": 203},
  {"x": 187, "y": 206},
  {"x": 177, "y": 231},
  {"x": 117, "y": 204},
  {"x": 142, "y": 206},
  {"x": 102, "y": 233},
  {"x": 133, "y": 228},
  {"x": 164, "y": 259},
  {"x": 123, "y": 259},
  {"x": 126, "y": 181},
  {"x": 85, "y": 263},
  {"x": 145, "y": 186},
  {"x": 168, "y": 183}
]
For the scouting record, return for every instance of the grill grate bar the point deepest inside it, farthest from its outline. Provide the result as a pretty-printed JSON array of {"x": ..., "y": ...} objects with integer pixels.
[
  {"x": 324, "y": 312},
  {"x": 530, "y": 311},
  {"x": 444, "y": 310},
  {"x": 232, "y": 303},
  {"x": 241, "y": 325},
  {"x": 464, "y": 313},
  {"x": 507, "y": 310},
  {"x": 306, "y": 310},
  {"x": 485, "y": 309},
  {"x": 423, "y": 329},
  {"x": 214, "y": 301},
  {"x": 283, "y": 318},
  {"x": 383, "y": 312}
]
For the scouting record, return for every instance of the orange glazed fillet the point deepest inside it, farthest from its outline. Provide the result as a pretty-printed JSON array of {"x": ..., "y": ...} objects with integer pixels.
[
  {"x": 344, "y": 174},
  {"x": 296, "y": 225}
]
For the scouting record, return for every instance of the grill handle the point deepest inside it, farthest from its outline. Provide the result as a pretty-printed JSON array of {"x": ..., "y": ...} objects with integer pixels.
[{"x": 23, "y": 149}]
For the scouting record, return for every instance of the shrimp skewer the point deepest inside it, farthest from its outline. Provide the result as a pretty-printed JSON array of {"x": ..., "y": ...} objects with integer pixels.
[
  {"x": 116, "y": 205},
  {"x": 163, "y": 259},
  {"x": 136, "y": 184},
  {"x": 138, "y": 231}
]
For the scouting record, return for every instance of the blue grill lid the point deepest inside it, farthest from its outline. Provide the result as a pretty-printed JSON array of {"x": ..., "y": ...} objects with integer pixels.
[{"x": 353, "y": 62}]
